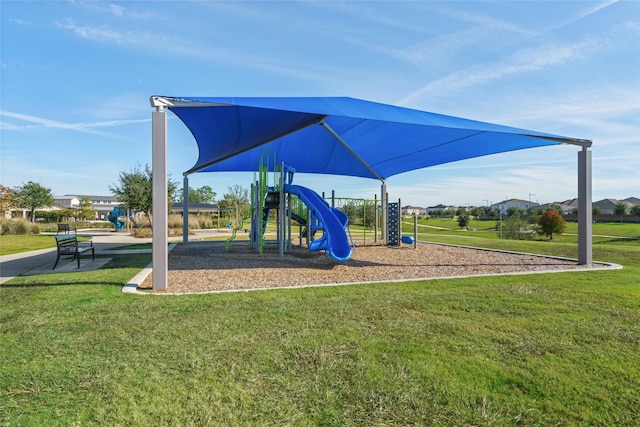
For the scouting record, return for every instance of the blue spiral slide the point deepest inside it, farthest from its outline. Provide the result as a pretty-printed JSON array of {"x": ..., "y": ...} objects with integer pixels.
[{"x": 334, "y": 222}]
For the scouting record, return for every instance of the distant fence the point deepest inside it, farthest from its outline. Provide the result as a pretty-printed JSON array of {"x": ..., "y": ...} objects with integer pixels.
[{"x": 629, "y": 219}]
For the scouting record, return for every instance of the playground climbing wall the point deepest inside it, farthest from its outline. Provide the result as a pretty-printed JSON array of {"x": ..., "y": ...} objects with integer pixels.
[{"x": 393, "y": 224}]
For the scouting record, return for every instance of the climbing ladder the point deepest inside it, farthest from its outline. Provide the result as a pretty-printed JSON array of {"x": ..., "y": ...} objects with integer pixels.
[{"x": 227, "y": 243}]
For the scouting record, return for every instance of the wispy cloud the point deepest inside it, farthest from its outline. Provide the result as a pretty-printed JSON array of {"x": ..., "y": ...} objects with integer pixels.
[
  {"x": 118, "y": 10},
  {"x": 19, "y": 21},
  {"x": 521, "y": 61},
  {"x": 589, "y": 10},
  {"x": 39, "y": 122},
  {"x": 175, "y": 47},
  {"x": 102, "y": 33},
  {"x": 444, "y": 46},
  {"x": 363, "y": 13}
]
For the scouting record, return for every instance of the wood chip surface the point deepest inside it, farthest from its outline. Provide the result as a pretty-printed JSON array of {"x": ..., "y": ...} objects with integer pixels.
[{"x": 206, "y": 266}]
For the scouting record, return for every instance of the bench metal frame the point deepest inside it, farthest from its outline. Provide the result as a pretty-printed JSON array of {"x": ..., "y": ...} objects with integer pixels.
[
  {"x": 66, "y": 229},
  {"x": 68, "y": 245}
]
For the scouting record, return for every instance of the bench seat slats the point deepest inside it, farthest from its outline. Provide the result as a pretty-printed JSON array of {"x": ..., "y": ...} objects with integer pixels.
[{"x": 68, "y": 245}]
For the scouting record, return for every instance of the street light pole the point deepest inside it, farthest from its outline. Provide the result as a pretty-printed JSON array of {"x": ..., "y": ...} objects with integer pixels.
[{"x": 529, "y": 211}]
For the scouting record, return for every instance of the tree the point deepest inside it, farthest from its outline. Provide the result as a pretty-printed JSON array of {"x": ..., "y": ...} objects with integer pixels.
[
  {"x": 515, "y": 228},
  {"x": 369, "y": 212},
  {"x": 596, "y": 211},
  {"x": 477, "y": 212},
  {"x": 514, "y": 211},
  {"x": 557, "y": 208},
  {"x": 86, "y": 210},
  {"x": 238, "y": 198},
  {"x": 6, "y": 199},
  {"x": 620, "y": 209},
  {"x": 463, "y": 220},
  {"x": 352, "y": 210},
  {"x": 551, "y": 222},
  {"x": 532, "y": 211},
  {"x": 32, "y": 196},
  {"x": 136, "y": 190},
  {"x": 635, "y": 210},
  {"x": 204, "y": 194}
]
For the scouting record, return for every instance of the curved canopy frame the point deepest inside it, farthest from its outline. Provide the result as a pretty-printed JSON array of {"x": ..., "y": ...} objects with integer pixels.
[{"x": 338, "y": 136}]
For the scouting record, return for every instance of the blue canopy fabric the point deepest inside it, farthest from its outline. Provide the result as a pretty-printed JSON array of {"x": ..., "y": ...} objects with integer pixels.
[{"x": 338, "y": 135}]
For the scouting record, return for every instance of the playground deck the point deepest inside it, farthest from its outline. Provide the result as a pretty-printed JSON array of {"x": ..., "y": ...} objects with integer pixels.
[{"x": 207, "y": 267}]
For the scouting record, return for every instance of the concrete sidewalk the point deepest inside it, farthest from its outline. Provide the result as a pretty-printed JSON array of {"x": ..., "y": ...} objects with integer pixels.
[{"x": 41, "y": 261}]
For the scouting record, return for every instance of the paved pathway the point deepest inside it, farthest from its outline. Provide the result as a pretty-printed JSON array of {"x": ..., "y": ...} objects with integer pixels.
[{"x": 41, "y": 261}]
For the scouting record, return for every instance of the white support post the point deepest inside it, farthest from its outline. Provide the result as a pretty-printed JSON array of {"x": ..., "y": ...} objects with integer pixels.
[
  {"x": 185, "y": 209},
  {"x": 160, "y": 195},
  {"x": 585, "y": 212}
]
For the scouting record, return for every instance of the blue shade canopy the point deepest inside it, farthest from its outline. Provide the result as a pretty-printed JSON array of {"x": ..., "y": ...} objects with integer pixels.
[{"x": 338, "y": 136}]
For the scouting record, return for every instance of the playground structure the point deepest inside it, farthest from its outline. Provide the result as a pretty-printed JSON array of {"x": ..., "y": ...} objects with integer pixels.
[
  {"x": 117, "y": 213},
  {"x": 346, "y": 136},
  {"x": 294, "y": 203}
]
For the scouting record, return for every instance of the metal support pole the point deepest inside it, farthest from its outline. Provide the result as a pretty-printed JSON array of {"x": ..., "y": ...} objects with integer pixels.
[
  {"x": 585, "y": 226},
  {"x": 160, "y": 252},
  {"x": 185, "y": 209},
  {"x": 384, "y": 203},
  {"x": 254, "y": 210},
  {"x": 281, "y": 212},
  {"x": 375, "y": 221},
  {"x": 399, "y": 222},
  {"x": 288, "y": 249},
  {"x": 350, "y": 150},
  {"x": 415, "y": 230}
]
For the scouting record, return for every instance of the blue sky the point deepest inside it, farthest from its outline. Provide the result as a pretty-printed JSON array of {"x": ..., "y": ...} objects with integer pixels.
[{"x": 76, "y": 78}]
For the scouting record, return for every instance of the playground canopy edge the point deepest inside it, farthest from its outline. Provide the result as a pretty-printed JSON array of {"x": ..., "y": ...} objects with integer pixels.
[{"x": 339, "y": 135}]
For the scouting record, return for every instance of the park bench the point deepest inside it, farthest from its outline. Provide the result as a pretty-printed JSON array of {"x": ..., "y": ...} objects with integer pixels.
[
  {"x": 65, "y": 228},
  {"x": 68, "y": 245}
]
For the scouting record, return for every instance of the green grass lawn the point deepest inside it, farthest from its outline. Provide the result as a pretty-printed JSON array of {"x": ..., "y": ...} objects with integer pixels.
[
  {"x": 541, "y": 349},
  {"x": 13, "y": 244}
]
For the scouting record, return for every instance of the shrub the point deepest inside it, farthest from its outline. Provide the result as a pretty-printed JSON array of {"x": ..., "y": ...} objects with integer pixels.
[
  {"x": 18, "y": 226},
  {"x": 515, "y": 228},
  {"x": 141, "y": 222},
  {"x": 203, "y": 221},
  {"x": 463, "y": 221},
  {"x": 174, "y": 221},
  {"x": 141, "y": 232},
  {"x": 551, "y": 222}
]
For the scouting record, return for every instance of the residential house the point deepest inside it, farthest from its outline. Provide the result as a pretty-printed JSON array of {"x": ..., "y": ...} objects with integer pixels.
[
  {"x": 440, "y": 207},
  {"x": 411, "y": 210},
  {"x": 504, "y": 205},
  {"x": 103, "y": 205},
  {"x": 607, "y": 206},
  {"x": 567, "y": 206},
  {"x": 195, "y": 208}
]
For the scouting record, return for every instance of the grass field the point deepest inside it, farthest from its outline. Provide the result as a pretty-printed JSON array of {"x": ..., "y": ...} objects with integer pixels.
[{"x": 542, "y": 349}]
